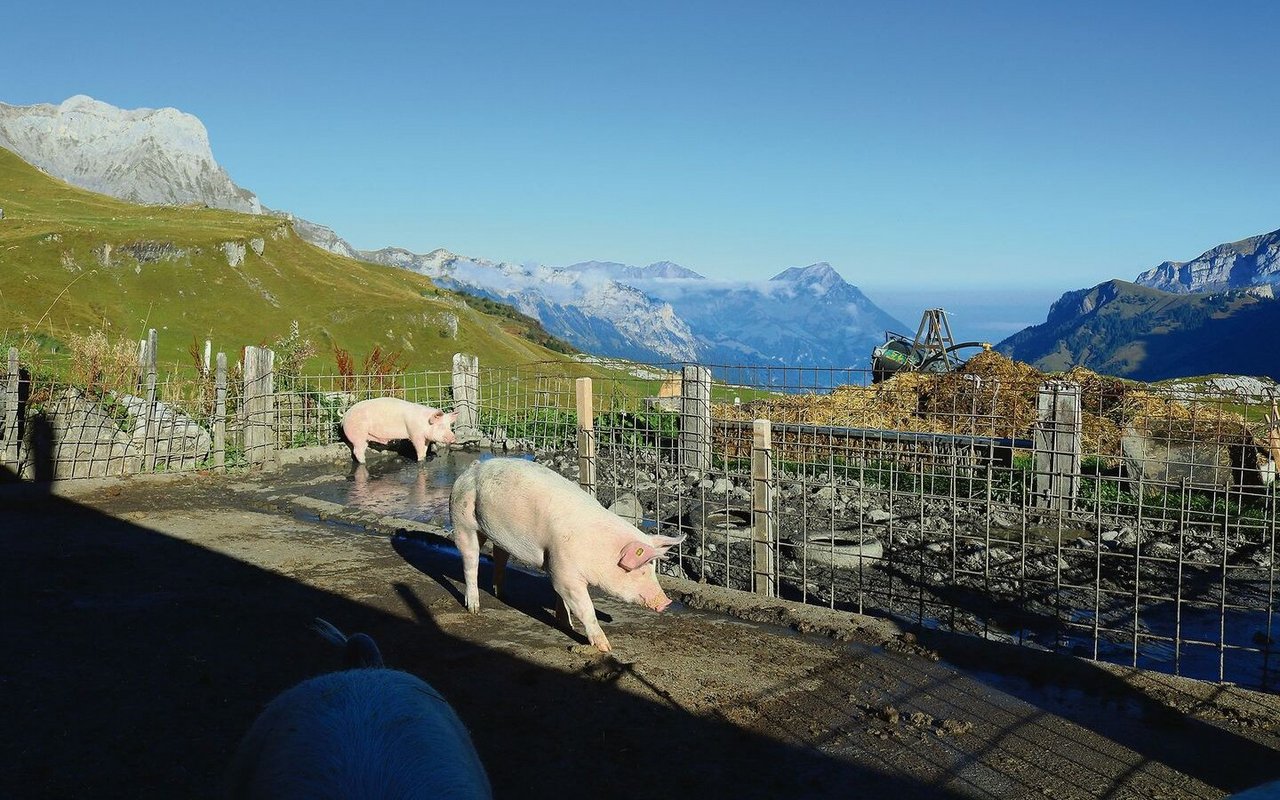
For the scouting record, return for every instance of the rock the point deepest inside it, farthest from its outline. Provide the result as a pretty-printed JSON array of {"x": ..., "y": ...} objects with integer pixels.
[
  {"x": 1155, "y": 457},
  {"x": 1002, "y": 520},
  {"x": 878, "y": 516},
  {"x": 628, "y": 507},
  {"x": 826, "y": 496},
  {"x": 84, "y": 439},
  {"x": 721, "y": 485},
  {"x": 234, "y": 251},
  {"x": 180, "y": 441}
]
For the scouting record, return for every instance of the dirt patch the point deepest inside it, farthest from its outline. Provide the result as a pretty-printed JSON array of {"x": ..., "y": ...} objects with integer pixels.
[{"x": 149, "y": 621}]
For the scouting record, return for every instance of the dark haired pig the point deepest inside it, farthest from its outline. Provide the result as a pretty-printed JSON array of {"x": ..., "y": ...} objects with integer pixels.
[
  {"x": 547, "y": 521},
  {"x": 385, "y": 419}
]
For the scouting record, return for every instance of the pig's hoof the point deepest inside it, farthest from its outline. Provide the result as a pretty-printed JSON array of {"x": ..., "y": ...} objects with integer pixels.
[
  {"x": 602, "y": 645},
  {"x": 473, "y": 605}
]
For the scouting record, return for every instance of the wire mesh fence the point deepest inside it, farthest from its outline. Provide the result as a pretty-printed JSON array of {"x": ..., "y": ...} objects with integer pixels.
[
  {"x": 1109, "y": 519},
  {"x": 1104, "y": 518}
]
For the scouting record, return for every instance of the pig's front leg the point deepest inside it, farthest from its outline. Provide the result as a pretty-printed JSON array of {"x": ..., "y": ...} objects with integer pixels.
[
  {"x": 421, "y": 446},
  {"x": 578, "y": 601}
]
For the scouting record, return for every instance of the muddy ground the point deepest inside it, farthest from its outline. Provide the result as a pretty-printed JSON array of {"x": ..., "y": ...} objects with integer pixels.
[{"x": 146, "y": 622}]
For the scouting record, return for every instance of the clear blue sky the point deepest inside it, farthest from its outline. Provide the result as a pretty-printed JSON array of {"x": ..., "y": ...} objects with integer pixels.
[{"x": 1037, "y": 145}]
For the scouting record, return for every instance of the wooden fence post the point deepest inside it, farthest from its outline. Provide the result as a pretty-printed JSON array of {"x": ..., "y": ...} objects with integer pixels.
[
  {"x": 1057, "y": 443},
  {"x": 147, "y": 357},
  {"x": 586, "y": 437},
  {"x": 764, "y": 573},
  {"x": 259, "y": 406},
  {"x": 695, "y": 417},
  {"x": 11, "y": 410},
  {"x": 466, "y": 391},
  {"x": 220, "y": 415}
]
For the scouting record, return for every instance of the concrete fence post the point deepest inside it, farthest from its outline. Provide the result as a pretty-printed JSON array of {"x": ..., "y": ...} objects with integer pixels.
[
  {"x": 763, "y": 522},
  {"x": 1057, "y": 443},
  {"x": 695, "y": 417},
  {"x": 586, "y": 436}
]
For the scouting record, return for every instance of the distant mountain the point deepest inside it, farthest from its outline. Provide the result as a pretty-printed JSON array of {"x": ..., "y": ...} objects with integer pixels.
[
  {"x": 151, "y": 156},
  {"x": 586, "y": 308},
  {"x": 1249, "y": 262},
  {"x": 806, "y": 316},
  {"x": 625, "y": 272},
  {"x": 1123, "y": 329}
]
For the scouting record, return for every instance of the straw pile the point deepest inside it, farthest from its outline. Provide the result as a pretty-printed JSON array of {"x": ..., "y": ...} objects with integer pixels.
[{"x": 992, "y": 395}]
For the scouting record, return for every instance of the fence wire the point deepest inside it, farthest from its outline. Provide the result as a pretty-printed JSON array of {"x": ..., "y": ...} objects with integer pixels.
[{"x": 1117, "y": 521}]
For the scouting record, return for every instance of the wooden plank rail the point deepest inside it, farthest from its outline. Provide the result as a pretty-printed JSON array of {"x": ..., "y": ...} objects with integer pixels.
[{"x": 892, "y": 437}]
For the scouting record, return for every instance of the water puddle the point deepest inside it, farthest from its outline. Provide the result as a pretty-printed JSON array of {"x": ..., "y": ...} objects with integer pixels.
[{"x": 393, "y": 487}]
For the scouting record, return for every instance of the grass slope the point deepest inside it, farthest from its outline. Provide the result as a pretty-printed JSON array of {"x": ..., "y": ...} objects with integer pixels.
[{"x": 72, "y": 261}]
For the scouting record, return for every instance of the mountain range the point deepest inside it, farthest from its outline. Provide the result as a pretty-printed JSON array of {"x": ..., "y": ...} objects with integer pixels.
[
  {"x": 660, "y": 312},
  {"x": 1213, "y": 313}
]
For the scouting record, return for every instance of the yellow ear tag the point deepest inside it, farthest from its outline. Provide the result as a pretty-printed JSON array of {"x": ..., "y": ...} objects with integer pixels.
[{"x": 639, "y": 552}]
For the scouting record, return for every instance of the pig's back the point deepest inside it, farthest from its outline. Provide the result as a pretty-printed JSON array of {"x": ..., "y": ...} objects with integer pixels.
[
  {"x": 525, "y": 507},
  {"x": 379, "y": 416}
]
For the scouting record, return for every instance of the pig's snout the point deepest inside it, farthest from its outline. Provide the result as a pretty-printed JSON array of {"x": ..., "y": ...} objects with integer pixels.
[{"x": 659, "y": 603}]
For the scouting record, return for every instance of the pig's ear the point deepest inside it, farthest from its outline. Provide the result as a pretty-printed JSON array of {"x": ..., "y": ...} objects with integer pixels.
[
  {"x": 664, "y": 543},
  {"x": 635, "y": 555},
  {"x": 436, "y": 416},
  {"x": 452, "y": 417}
]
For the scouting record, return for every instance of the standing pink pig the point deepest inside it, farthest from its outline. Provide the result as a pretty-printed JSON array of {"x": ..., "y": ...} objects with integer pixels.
[
  {"x": 546, "y": 521},
  {"x": 385, "y": 419}
]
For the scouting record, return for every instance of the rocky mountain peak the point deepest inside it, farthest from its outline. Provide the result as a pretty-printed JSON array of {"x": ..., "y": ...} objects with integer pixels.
[
  {"x": 142, "y": 155},
  {"x": 626, "y": 272},
  {"x": 1249, "y": 262},
  {"x": 819, "y": 276}
]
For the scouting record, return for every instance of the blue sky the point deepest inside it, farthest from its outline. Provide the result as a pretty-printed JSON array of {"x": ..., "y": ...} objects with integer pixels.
[{"x": 1032, "y": 147}]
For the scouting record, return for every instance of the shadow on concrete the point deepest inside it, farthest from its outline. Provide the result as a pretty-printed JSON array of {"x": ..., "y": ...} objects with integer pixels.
[
  {"x": 1102, "y": 701},
  {"x": 134, "y": 661}
]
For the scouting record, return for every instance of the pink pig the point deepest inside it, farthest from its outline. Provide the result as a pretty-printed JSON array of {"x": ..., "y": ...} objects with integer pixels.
[
  {"x": 385, "y": 419},
  {"x": 546, "y": 521}
]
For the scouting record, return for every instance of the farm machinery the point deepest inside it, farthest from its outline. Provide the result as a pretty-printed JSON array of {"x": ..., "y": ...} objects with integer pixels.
[{"x": 932, "y": 349}]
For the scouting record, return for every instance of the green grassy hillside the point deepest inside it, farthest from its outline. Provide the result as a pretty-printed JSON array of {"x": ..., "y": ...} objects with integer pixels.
[{"x": 72, "y": 262}]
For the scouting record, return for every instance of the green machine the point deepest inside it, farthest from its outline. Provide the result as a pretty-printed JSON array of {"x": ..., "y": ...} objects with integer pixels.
[{"x": 932, "y": 349}]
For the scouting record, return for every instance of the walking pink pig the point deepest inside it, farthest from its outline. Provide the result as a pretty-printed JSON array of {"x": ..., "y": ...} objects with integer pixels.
[
  {"x": 546, "y": 521},
  {"x": 385, "y": 419}
]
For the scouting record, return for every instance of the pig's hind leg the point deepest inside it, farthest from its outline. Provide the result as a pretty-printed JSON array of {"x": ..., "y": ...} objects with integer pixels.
[
  {"x": 467, "y": 538},
  {"x": 500, "y": 557}
]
